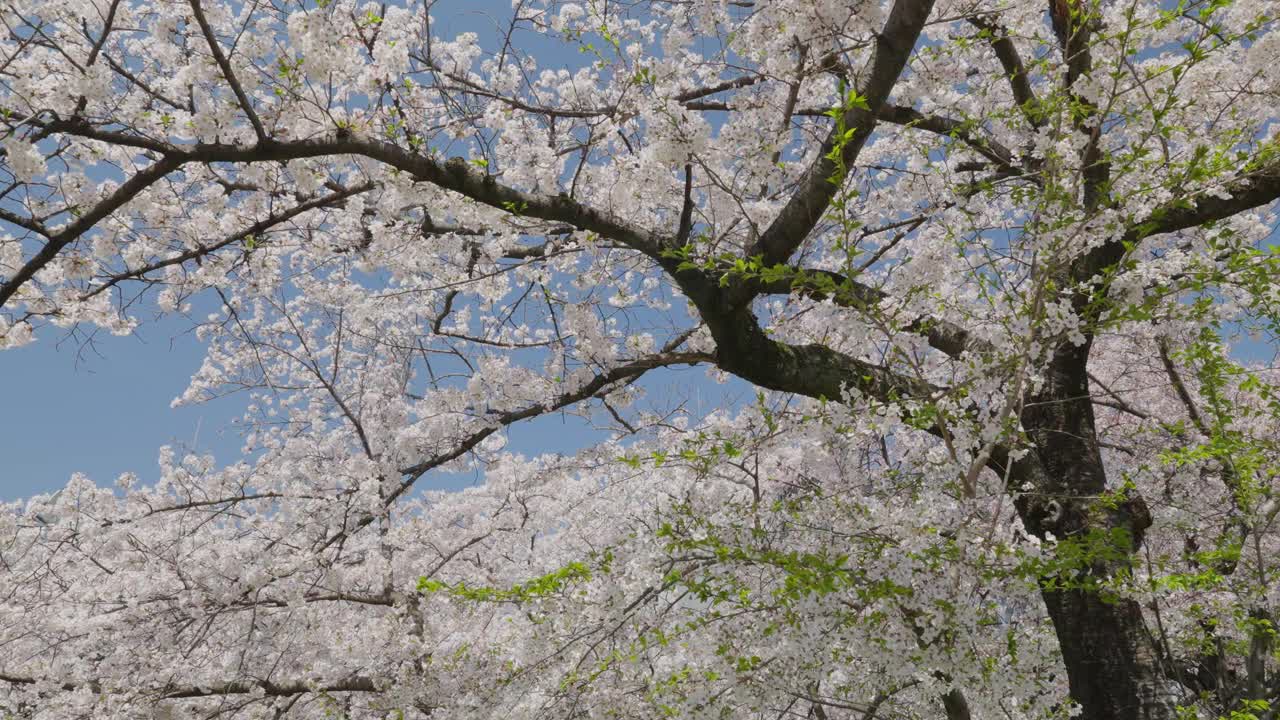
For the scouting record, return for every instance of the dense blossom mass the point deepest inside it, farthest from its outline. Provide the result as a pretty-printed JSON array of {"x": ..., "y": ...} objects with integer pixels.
[{"x": 997, "y": 274}]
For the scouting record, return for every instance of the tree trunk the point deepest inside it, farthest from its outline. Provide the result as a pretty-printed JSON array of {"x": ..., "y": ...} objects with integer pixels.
[{"x": 1112, "y": 666}]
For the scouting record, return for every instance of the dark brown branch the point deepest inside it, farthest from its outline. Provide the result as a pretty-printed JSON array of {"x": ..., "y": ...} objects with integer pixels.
[
  {"x": 1256, "y": 189},
  {"x": 949, "y": 127},
  {"x": 686, "y": 210},
  {"x": 244, "y": 687},
  {"x": 809, "y": 370},
  {"x": 1180, "y": 389},
  {"x": 944, "y": 336},
  {"x": 789, "y": 108},
  {"x": 255, "y": 229},
  {"x": 814, "y": 370},
  {"x": 989, "y": 148},
  {"x": 1116, "y": 401},
  {"x": 820, "y": 182},
  {"x": 1015, "y": 72},
  {"x": 956, "y": 705},
  {"x": 453, "y": 175},
  {"x": 596, "y": 386},
  {"x": 123, "y": 194},
  {"x": 627, "y": 372},
  {"x": 1230, "y": 476},
  {"x": 123, "y": 72},
  {"x": 734, "y": 84},
  {"x": 270, "y": 689},
  {"x": 190, "y": 505},
  {"x": 473, "y": 88},
  {"x": 910, "y": 226},
  {"x": 82, "y": 128},
  {"x": 227, "y": 73},
  {"x": 438, "y": 229},
  {"x": 106, "y": 31},
  {"x": 28, "y": 223}
]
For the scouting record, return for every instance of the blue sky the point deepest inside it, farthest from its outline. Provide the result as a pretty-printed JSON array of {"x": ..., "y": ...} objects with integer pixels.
[{"x": 102, "y": 408}]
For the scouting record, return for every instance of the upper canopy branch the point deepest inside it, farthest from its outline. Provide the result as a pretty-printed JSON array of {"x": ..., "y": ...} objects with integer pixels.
[
  {"x": 225, "y": 65},
  {"x": 820, "y": 183},
  {"x": 809, "y": 370},
  {"x": 454, "y": 175},
  {"x": 1251, "y": 191},
  {"x": 942, "y": 335},
  {"x": 1016, "y": 73}
]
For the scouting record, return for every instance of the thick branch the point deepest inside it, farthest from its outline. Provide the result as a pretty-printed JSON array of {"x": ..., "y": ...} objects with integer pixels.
[
  {"x": 950, "y": 127},
  {"x": 454, "y": 175},
  {"x": 123, "y": 194},
  {"x": 106, "y": 32},
  {"x": 227, "y": 73},
  {"x": 1255, "y": 190},
  {"x": 820, "y": 184},
  {"x": 744, "y": 349},
  {"x": 244, "y": 687},
  {"x": 822, "y": 285},
  {"x": 271, "y": 689},
  {"x": 1014, "y": 70}
]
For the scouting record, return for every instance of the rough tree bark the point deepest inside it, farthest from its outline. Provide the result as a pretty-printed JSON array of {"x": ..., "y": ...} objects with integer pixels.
[{"x": 1112, "y": 666}]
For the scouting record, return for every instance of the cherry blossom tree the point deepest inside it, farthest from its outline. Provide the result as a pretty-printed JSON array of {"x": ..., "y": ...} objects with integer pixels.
[{"x": 999, "y": 272}]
